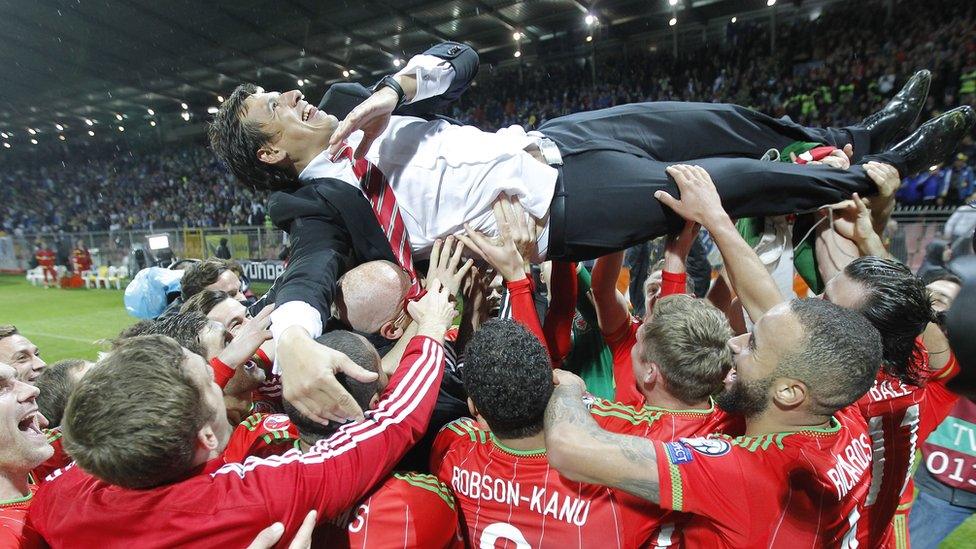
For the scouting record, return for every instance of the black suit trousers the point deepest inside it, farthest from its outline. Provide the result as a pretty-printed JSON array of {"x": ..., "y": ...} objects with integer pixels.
[{"x": 614, "y": 159}]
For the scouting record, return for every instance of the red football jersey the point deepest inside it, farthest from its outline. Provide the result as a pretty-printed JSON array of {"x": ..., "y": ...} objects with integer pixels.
[
  {"x": 900, "y": 417},
  {"x": 59, "y": 459},
  {"x": 793, "y": 489},
  {"x": 408, "y": 510},
  {"x": 261, "y": 435},
  {"x": 227, "y": 507},
  {"x": 14, "y": 530},
  {"x": 514, "y": 499},
  {"x": 621, "y": 343}
]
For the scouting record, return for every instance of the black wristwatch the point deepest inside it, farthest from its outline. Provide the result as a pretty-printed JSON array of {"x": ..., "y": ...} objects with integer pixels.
[{"x": 389, "y": 81}]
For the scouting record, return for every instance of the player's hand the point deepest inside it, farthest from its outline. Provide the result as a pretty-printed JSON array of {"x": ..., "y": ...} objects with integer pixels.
[
  {"x": 838, "y": 158},
  {"x": 699, "y": 200},
  {"x": 885, "y": 176},
  {"x": 308, "y": 378},
  {"x": 568, "y": 380},
  {"x": 248, "y": 338},
  {"x": 678, "y": 246},
  {"x": 267, "y": 538},
  {"x": 372, "y": 116},
  {"x": 514, "y": 232},
  {"x": 852, "y": 219},
  {"x": 434, "y": 312},
  {"x": 445, "y": 258}
]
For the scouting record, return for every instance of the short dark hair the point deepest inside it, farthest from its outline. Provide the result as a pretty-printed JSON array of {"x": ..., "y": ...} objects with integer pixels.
[
  {"x": 7, "y": 330},
  {"x": 508, "y": 375},
  {"x": 937, "y": 274},
  {"x": 899, "y": 306},
  {"x": 139, "y": 442},
  {"x": 236, "y": 142},
  {"x": 143, "y": 327},
  {"x": 839, "y": 357},
  {"x": 204, "y": 302},
  {"x": 185, "y": 328},
  {"x": 200, "y": 275},
  {"x": 55, "y": 385},
  {"x": 360, "y": 351}
]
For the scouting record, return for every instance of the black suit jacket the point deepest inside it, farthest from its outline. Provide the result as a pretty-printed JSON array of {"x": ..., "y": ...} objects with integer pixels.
[{"x": 330, "y": 224}]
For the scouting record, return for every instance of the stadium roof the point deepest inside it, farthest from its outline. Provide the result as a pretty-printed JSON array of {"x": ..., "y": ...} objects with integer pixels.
[{"x": 128, "y": 63}]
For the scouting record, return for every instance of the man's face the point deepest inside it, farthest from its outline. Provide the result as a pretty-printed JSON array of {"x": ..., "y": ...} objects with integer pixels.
[
  {"x": 229, "y": 282},
  {"x": 844, "y": 291},
  {"x": 943, "y": 294},
  {"x": 214, "y": 338},
  {"x": 756, "y": 356},
  {"x": 652, "y": 291},
  {"x": 213, "y": 397},
  {"x": 299, "y": 130},
  {"x": 231, "y": 314},
  {"x": 19, "y": 352},
  {"x": 22, "y": 444}
]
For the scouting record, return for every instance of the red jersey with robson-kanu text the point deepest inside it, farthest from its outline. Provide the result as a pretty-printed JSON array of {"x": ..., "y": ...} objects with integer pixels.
[
  {"x": 511, "y": 499},
  {"x": 795, "y": 489},
  {"x": 900, "y": 417},
  {"x": 408, "y": 510},
  {"x": 230, "y": 506}
]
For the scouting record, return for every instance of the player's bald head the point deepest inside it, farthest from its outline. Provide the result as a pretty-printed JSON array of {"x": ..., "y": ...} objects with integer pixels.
[{"x": 371, "y": 294}]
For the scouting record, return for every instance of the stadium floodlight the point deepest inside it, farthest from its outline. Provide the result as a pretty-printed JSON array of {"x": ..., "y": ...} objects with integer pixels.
[
  {"x": 220, "y": 98},
  {"x": 33, "y": 142},
  {"x": 118, "y": 117},
  {"x": 151, "y": 112},
  {"x": 6, "y": 145},
  {"x": 212, "y": 110},
  {"x": 770, "y": 3},
  {"x": 152, "y": 123},
  {"x": 590, "y": 19},
  {"x": 516, "y": 35},
  {"x": 59, "y": 127},
  {"x": 185, "y": 106},
  {"x": 89, "y": 121},
  {"x": 397, "y": 62},
  {"x": 300, "y": 83},
  {"x": 673, "y": 22},
  {"x": 517, "y": 54},
  {"x": 672, "y": 2},
  {"x": 345, "y": 74},
  {"x": 32, "y": 131},
  {"x": 4, "y": 135},
  {"x": 61, "y": 137},
  {"x": 186, "y": 116},
  {"x": 91, "y": 133},
  {"x": 589, "y": 38},
  {"x": 734, "y": 19},
  {"x": 158, "y": 241},
  {"x": 121, "y": 128}
]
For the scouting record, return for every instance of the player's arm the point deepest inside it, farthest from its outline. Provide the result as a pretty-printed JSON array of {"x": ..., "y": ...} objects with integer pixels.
[
  {"x": 612, "y": 309},
  {"x": 579, "y": 449},
  {"x": 701, "y": 203},
  {"x": 558, "y": 326},
  {"x": 674, "y": 278}
]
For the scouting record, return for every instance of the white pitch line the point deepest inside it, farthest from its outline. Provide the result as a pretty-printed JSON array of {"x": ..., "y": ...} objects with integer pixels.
[{"x": 59, "y": 336}]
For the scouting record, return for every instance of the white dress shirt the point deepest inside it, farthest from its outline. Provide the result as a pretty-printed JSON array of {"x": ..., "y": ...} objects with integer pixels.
[{"x": 442, "y": 175}]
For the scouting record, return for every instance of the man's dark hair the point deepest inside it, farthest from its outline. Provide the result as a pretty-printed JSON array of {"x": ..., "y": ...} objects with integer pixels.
[
  {"x": 200, "y": 275},
  {"x": 236, "y": 142},
  {"x": 839, "y": 357},
  {"x": 508, "y": 375},
  {"x": 204, "y": 302},
  {"x": 185, "y": 328},
  {"x": 133, "y": 420},
  {"x": 7, "y": 330},
  {"x": 143, "y": 327},
  {"x": 56, "y": 384},
  {"x": 899, "y": 306},
  {"x": 363, "y": 354},
  {"x": 935, "y": 275}
]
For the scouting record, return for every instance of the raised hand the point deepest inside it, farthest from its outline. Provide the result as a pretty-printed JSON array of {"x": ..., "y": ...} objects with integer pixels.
[
  {"x": 434, "y": 312},
  {"x": 699, "y": 200},
  {"x": 248, "y": 338},
  {"x": 372, "y": 116},
  {"x": 446, "y": 266},
  {"x": 515, "y": 235}
]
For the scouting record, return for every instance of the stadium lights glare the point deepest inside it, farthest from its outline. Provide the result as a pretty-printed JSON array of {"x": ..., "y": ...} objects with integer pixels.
[
  {"x": 673, "y": 22},
  {"x": 589, "y": 38},
  {"x": 3, "y": 135},
  {"x": 6, "y": 145},
  {"x": 516, "y": 35},
  {"x": 118, "y": 117},
  {"x": 91, "y": 133},
  {"x": 770, "y": 3},
  {"x": 121, "y": 128},
  {"x": 212, "y": 110},
  {"x": 186, "y": 116},
  {"x": 33, "y": 142},
  {"x": 397, "y": 62},
  {"x": 345, "y": 74},
  {"x": 61, "y": 137},
  {"x": 59, "y": 127},
  {"x": 672, "y": 2},
  {"x": 32, "y": 131},
  {"x": 89, "y": 121},
  {"x": 152, "y": 123},
  {"x": 590, "y": 19},
  {"x": 185, "y": 106},
  {"x": 734, "y": 19},
  {"x": 300, "y": 83},
  {"x": 151, "y": 112},
  {"x": 517, "y": 53},
  {"x": 220, "y": 98}
]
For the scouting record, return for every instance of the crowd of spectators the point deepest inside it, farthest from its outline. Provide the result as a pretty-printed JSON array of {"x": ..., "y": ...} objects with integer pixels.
[{"x": 832, "y": 70}]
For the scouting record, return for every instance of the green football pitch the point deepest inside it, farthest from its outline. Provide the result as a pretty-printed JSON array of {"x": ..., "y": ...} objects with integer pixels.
[{"x": 70, "y": 323}]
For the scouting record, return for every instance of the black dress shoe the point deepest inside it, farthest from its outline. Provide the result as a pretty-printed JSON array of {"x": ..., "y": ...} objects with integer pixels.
[
  {"x": 934, "y": 140},
  {"x": 889, "y": 124}
]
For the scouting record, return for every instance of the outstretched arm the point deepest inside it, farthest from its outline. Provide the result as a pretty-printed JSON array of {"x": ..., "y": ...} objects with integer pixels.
[
  {"x": 700, "y": 203},
  {"x": 573, "y": 439},
  {"x": 611, "y": 307}
]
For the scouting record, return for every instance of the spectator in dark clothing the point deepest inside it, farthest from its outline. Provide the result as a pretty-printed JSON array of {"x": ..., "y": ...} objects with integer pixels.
[{"x": 223, "y": 252}]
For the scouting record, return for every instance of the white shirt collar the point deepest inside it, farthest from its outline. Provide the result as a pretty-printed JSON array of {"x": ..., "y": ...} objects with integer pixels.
[{"x": 323, "y": 166}]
